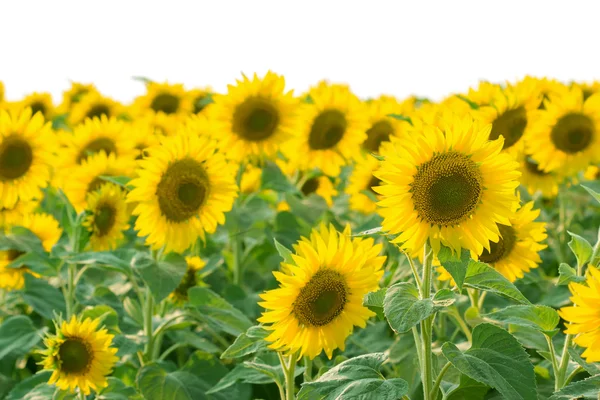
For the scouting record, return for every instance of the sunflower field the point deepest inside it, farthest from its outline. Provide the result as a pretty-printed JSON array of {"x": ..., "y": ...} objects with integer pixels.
[{"x": 266, "y": 244}]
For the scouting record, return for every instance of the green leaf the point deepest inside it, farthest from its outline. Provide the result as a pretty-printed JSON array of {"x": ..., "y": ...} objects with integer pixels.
[
  {"x": 400, "y": 117},
  {"x": 216, "y": 310},
  {"x": 284, "y": 252},
  {"x": 443, "y": 298},
  {"x": 42, "y": 391},
  {"x": 161, "y": 277},
  {"x": 471, "y": 104},
  {"x": 116, "y": 390},
  {"x": 483, "y": 277},
  {"x": 567, "y": 274},
  {"x": 593, "y": 188},
  {"x": 44, "y": 298},
  {"x": 457, "y": 267},
  {"x": 21, "y": 239},
  {"x": 374, "y": 302},
  {"x": 18, "y": 336},
  {"x": 356, "y": 378},
  {"x": 591, "y": 368},
  {"x": 581, "y": 248},
  {"x": 117, "y": 260},
  {"x": 122, "y": 181},
  {"x": 107, "y": 315},
  {"x": 37, "y": 262},
  {"x": 497, "y": 359},
  {"x": 246, "y": 343},
  {"x": 240, "y": 373},
  {"x": 585, "y": 389},
  {"x": 26, "y": 386},
  {"x": 542, "y": 318},
  {"x": 468, "y": 389},
  {"x": 369, "y": 232},
  {"x": 157, "y": 384},
  {"x": 403, "y": 308},
  {"x": 272, "y": 178}
]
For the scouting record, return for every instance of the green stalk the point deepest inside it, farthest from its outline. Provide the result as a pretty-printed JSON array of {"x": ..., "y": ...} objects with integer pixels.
[
  {"x": 426, "y": 325},
  {"x": 307, "y": 369},
  {"x": 438, "y": 381},
  {"x": 234, "y": 235},
  {"x": 290, "y": 387},
  {"x": 70, "y": 292},
  {"x": 148, "y": 313},
  {"x": 555, "y": 366}
]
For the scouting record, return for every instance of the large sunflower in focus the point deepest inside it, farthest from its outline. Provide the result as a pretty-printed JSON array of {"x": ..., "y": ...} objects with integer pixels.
[
  {"x": 74, "y": 95},
  {"x": 567, "y": 132},
  {"x": 27, "y": 145},
  {"x": 382, "y": 126},
  {"x": 94, "y": 105},
  {"x": 255, "y": 117},
  {"x": 165, "y": 98},
  {"x": 182, "y": 190},
  {"x": 108, "y": 217},
  {"x": 361, "y": 181},
  {"x": 332, "y": 129},
  {"x": 450, "y": 187},
  {"x": 80, "y": 356},
  {"x": 319, "y": 300}
]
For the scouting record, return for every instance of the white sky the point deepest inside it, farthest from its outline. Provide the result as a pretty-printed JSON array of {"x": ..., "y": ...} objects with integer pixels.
[{"x": 429, "y": 48}]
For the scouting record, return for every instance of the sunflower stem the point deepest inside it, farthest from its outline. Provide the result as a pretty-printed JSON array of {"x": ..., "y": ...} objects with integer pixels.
[
  {"x": 307, "y": 369},
  {"x": 426, "y": 325},
  {"x": 148, "y": 313},
  {"x": 70, "y": 294},
  {"x": 234, "y": 235},
  {"x": 438, "y": 381},
  {"x": 555, "y": 367},
  {"x": 290, "y": 387},
  {"x": 415, "y": 272}
]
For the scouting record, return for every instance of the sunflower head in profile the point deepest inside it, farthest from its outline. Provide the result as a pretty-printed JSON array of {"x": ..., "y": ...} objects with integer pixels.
[
  {"x": 27, "y": 146},
  {"x": 583, "y": 318},
  {"x": 332, "y": 128},
  {"x": 74, "y": 95},
  {"x": 319, "y": 299},
  {"x": 189, "y": 280},
  {"x": 201, "y": 98},
  {"x": 47, "y": 230},
  {"x": 535, "y": 179},
  {"x": 39, "y": 103},
  {"x": 381, "y": 125},
  {"x": 182, "y": 190},
  {"x": 361, "y": 184},
  {"x": 80, "y": 355},
  {"x": 255, "y": 117},
  {"x": 450, "y": 186},
  {"x": 94, "y": 105},
  {"x": 163, "y": 98},
  {"x": 516, "y": 251},
  {"x": 567, "y": 132},
  {"x": 108, "y": 217}
]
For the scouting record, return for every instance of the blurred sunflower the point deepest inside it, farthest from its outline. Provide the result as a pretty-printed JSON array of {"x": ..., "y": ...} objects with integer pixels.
[
  {"x": 251, "y": 179},
  {"x": 189, "y": 280},
  {"x": 165, "y": 98},
  {"x": 142, "y": 136},
  {"x": 534, "y": 179},
  {"x": 484, "y": 93},
  {"x": 80, "y": 356},
  {"x": 1, "y": 92},
  {"x": 382, "y": 126},
  {"x": 567, "y": 132},
  {"x": 516, "y": 252},
  {"x": 543, "y": 88},
  {"x": 583, "y": 318},
  {"x": 200, "y": 98},
  {"x": 255, "y": 117},
  {"x": 332, "y": 129},
  {"x": 319, "y": 300},
  {"x": 450, "y": 187},
  {"x": 320, "y": 185},
  {"x": 160, "y": 124},
  {"x": 588, "y": 89},
  {"x": 27, "y": 147},
  {"x": 362, "y": 182},
  {"x": 592, "y": 173},
  {"x": 108, "y": 217},
  {"x": 38, "y": 102},
  {"x": 94, "y": 105},
  {"x": 12, "y": 215},
  {"x": 183, "y": 189},
  {"x": 74, "y": 95}
]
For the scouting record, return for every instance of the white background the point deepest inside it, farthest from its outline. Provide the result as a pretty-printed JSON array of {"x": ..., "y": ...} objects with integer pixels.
[{"x": 429, "y": 48}]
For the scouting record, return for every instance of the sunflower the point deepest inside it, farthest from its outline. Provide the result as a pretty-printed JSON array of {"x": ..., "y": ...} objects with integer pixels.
[
  {"x": 534, "y": 179},
  {"x": 567, "y": 132},
  {"x": 254, "y": 117},
  {"x": 74, "y": 95},
  {"x": 163, "y": 98},
  {"x": 200, "y": 98},
  {"x": 319, "y": 300},
  {"x": 382, "y": 126},
  {"x": 26, "y": 154},
  {"x": 592, "y": 173},
  {"x": 142, "y": 136},
  {"x": 332, "y": 129},
  {"x": 251, "y": 179},
  {"x": 189, "y": 280},
  {"x": 38, "y": 102},
  {"x": 584, "y": 316},
  {"x": 47, "y": 230},
  {"x": 1, "y": 92},
  {"x": 87, "y": 176},
  {"x": 484, "y": 93},
  {"x": 183, "y": 189},
  {"x": 80, "y": 356},
  {"x": 452, "y": 187},
  {"x": 588, "y": 89},
  {"x": 320, "y": 185},
  {"x": 361, "y": 181},
  {"x": 543, "y": 87},
  {"x": 11, "y": 215},
  {"x": 93, "y": 105},
  {"x": 108, "y": 218}
]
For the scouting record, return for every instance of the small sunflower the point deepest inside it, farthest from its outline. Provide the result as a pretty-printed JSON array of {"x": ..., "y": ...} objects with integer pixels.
[
  {"x": 94, "y": 105},
  {"x": 583, "y": 318},
  {"x": 200, "y": 98},
  {"x": 189, "y": 280},
  {"x": 588, "y": 89},
  {"x": 38, "y": 102},
  {"x": 567, "y": 132},
  {"x": 163, "y": 98},
  {"x": 87, "y": 176},
  {"x": 361, "y": 181},
  {"x": 254, "y": 117},
  {"x": 183, "y": 189},
  {"x": 80, "y": 355},
  {"x": 251, "y": 179},
  {"x": 108, "y": 218},
  {"x": 26, "y": 155},
  {"x": 381, "y": 125},
  {"x": 319, "y": 300},
  {"x": 450, "y": 186},
  {"x": 534, "y": 179},
  {"x": 322, "y": 186},
  {"x": 74, "y": 95},
  {"x": 332, "y": 129},
  {"x": 516, "y": 252}
]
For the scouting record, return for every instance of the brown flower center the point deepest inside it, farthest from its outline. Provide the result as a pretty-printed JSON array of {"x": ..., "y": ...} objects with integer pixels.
[{"x": 322, "y": 299}]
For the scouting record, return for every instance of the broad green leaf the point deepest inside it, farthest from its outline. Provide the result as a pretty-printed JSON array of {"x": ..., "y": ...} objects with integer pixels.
[
  {"x": 443, "y": 298},
  {"x": 497, "y": 359},
  {"x": 241, "y": 373},
  {"x": 310, "y": 209},
  {"x": 284, "y": 252},
  {"x": 457, "y": 267},
  {"x": 18, "y": 336},
  {"x": 161, "y": 277},
  {"x": 468, "y": 389},
  {"x": 107, "y": 315},
  {"x": 21, "y": 239},
  {"x": 593, "y": 188},
  {"x": 116, "y": 390},
  {"x": 37, "y": 262},
  {"x": 26, "y": 386},
  {"x": 272, "y": 178},
  {"x": 369, "y": 232},
  {"x": 591, "y": 368},
  {"x": 209, "y": 370},
  {"x": 42, "y": 391},
  {"x": 117, "y": 261},
  {"x": 374, "y": 302},
  {"x": 157, "y": 384},
  {"x": 356, "y": 378},
  {"x": 133, "y": 310},
  {"x": 581, "y": 248},
  {"x": 585, "y": 389},
  {"x": 483, "y": 277},
  {"x": 213, "y": 308},
  {"x": 251, "y": 341},
  {"x": 542, "y": 318},
  {"x": 44, "y": 298},
  {"x": 567, "y": 274},
  {"x": 403, "y": 308}
]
